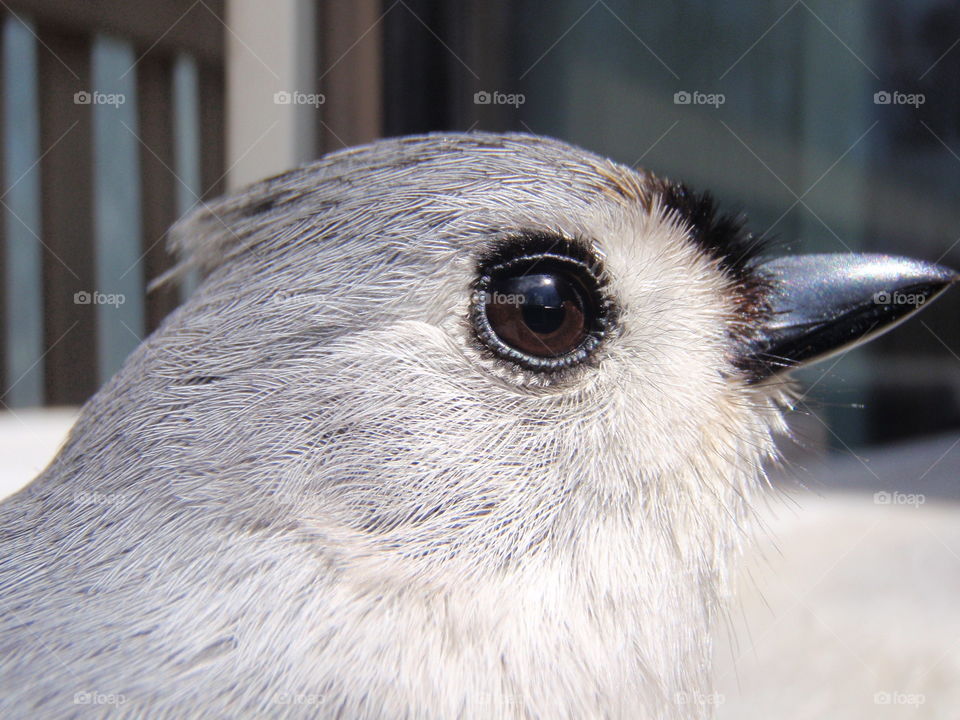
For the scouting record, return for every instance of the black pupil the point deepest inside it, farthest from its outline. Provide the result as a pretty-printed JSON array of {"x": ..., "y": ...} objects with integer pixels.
[{"x": 543, "y": 296}]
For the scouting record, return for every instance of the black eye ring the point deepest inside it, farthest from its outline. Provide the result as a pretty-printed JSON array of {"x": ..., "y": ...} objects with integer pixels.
[{"x": 539, "y": 302}]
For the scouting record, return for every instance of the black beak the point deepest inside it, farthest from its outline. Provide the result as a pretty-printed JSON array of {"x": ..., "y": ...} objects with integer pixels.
[{"x": 824, "y": 304}]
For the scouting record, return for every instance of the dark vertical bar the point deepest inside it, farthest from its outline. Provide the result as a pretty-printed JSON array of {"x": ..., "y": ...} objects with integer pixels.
[
  {"x": 66, "y": 169},
  {"x": 157, "y": 181},
  {"x": 350, "y": 68},
  {"x": 465, "y": 48},
  {"x": 418, "y": 86},
  {"x": 213, "y": 129},
  {"x": 4, "y": 184},
  {"x": 489, "y": 38}
]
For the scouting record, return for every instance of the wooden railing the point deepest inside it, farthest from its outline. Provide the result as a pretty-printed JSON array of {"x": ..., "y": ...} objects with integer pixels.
[{"x": 64, "y": 32}]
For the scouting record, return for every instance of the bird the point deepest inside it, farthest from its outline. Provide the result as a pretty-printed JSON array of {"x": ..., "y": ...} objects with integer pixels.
[{"x": 454, "y": 426}]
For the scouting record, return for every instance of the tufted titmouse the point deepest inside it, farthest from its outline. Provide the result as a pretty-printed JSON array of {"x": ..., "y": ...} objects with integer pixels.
[{"x": 456, "y": 426}]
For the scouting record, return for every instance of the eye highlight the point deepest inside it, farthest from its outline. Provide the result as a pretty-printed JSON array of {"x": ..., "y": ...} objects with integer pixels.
[{"x": 539, "y": 302}]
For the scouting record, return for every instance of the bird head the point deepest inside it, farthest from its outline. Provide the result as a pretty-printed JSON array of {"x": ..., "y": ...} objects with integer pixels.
[{"x": 485, "y": 350}]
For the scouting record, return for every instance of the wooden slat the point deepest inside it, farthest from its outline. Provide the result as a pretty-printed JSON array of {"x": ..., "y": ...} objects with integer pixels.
[
  {"x": 66, "y": 170},
  {"x": 213, "y": 129},
  {"x": 351, "y": 78},
  {"x": 171, "y": 25},
  {"x": 157, "y": 182}
]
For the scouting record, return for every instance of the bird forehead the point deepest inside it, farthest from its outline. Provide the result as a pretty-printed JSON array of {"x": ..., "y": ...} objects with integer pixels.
[
  {"x": 429, "y": 206},
  {"x": 458, "y": 193}
]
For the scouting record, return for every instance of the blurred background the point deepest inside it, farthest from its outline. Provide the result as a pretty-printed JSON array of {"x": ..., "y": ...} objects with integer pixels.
[{"x": 834, "y": 126}]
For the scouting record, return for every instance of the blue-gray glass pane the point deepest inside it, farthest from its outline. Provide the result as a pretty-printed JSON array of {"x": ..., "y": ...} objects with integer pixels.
[
  {"x": 117, "y": 228},
  {"x": 21, "y": 208}
]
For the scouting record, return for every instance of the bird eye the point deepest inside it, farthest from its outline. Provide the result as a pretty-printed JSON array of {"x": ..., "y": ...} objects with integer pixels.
[{"x": 542, "y": 310}]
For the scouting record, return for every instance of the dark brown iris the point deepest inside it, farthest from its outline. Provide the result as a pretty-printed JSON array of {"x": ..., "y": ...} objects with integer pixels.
[{"x": 543, "y": 314}]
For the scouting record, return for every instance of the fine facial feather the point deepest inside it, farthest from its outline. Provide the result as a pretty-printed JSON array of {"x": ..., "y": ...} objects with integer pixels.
[{"x": 328, "y": 500}]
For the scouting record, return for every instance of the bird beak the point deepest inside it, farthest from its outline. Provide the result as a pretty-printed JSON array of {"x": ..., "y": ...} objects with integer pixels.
[{"x": 825, "y": 304}]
